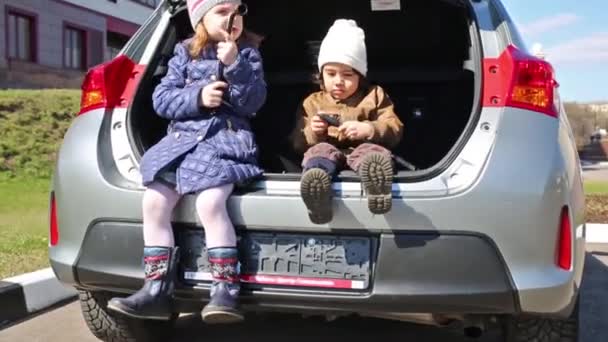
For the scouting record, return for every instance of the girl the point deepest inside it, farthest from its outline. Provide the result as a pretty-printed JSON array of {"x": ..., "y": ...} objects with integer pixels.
[
  {"x": 209, "y": 148},
  {"x": 347, "y": 122}
]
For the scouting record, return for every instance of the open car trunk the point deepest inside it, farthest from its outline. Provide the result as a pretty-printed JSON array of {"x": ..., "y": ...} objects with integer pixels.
[{"x": 423, "y": 55}]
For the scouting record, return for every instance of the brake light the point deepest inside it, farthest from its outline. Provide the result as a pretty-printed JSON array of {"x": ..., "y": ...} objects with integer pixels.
[
  {"x": 53, "y": 227},
  {"x": 110, "y": 85},
  {"x": 564, "y": 251},
  {"x": 518, "y": 80}
]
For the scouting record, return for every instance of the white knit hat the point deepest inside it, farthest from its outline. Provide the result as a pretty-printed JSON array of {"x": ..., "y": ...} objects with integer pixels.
[
  {"x": 344, "y": 43},
  {"x": 198, "y": 8}
]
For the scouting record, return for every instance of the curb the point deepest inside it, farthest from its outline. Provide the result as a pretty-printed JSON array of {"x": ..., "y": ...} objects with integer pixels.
[
  {"x": 597, "y": 233},
  {"x": 589, "y": 165},
  {"x": 29, "y": 293}
]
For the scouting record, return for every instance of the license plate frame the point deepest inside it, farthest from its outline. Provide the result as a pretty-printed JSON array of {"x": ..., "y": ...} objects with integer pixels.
[{"x": 286, "y": 260}]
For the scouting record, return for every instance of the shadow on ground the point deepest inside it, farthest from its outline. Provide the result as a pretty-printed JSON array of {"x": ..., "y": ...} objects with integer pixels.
[
  {"x": 275, "y": 328},
  {"x": 594, "y": 300},
  {"x": 297, "y": 329}
]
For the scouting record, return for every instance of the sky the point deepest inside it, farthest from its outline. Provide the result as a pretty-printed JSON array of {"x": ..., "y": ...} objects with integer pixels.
[{"x": 574, "y": 35}]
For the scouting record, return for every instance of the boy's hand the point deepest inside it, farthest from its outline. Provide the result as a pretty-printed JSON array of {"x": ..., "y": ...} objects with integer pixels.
[
  {"x": 227, "y": 50},
  {"x": 318, "y": 126},
  {"x": 212, "y": 93},
  {"x": 355, "y": 130}
]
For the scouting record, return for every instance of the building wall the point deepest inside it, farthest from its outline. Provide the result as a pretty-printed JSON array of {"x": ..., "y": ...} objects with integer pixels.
[
  {"x": 51, "y": 18},
  {"x": 2, "y": 35},
  {"x": 50, "y": 22},
  {"x": 35, "y": 76},
  {"x": 127, "y": 10}
]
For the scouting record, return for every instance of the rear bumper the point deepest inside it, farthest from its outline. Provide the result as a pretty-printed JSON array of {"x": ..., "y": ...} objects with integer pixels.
[{"x": 411, "y": 273}]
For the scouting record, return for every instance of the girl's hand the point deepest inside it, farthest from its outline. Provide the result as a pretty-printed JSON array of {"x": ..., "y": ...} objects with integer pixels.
[
  {"x": 227, "y": 50},
  {"x": 212, "y": 93},
  {"x": 318, "y": 126},
  {"x": 355, "y": 130}
]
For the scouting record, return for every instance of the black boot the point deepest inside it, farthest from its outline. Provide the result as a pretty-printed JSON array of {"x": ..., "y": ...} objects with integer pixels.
[
  {"x": 376, "y": 172},
  {"x": 315, "y": 189},
  {"x": 154, "y": 299},
  {"x": 223, "y": 305}
]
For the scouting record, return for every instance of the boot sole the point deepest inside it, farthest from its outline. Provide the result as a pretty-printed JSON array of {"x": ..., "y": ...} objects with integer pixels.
[
  {"x": 221, "y": 316},
  {"x": 127, "y": 312},
  {"x": 377, "y": 177},
  {"x": 315, "y": 189}
]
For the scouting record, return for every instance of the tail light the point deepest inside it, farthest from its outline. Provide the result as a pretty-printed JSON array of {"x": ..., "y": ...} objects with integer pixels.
[
  {"x": 53, "y": 227},
  {"x": 564, "y": 249},
  {"x": 110, "y": 85},
  {"x": 518, "y": 80}
]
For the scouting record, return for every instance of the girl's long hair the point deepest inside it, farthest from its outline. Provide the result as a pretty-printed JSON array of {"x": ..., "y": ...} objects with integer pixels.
[{"x": 201, "y": 39}]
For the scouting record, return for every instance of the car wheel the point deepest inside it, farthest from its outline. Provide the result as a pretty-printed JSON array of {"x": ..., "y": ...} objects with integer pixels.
[
  {"x": 537, "y": 329},
  {"x": 112, "y": 327}
]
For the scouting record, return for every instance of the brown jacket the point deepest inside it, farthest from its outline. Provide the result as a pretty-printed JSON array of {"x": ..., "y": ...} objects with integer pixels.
[{"x": 373, "y": 106}]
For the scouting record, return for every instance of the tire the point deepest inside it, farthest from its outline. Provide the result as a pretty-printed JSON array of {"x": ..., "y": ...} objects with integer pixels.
[
  {"x": 112, "y": 327},
  {"x": 537, "y": 329}
]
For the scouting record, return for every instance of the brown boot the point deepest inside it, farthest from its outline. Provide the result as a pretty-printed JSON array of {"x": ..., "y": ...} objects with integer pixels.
[
  {"x": 315, "y": 189},
  {"x": 376, "y": 172}
]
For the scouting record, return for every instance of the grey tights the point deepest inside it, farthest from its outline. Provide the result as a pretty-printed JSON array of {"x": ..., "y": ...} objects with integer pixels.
[{"x": 159, "y": 201}]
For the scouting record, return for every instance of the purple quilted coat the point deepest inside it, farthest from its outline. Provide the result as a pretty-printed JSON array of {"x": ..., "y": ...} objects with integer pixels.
[{"x": 206, "y": 147}]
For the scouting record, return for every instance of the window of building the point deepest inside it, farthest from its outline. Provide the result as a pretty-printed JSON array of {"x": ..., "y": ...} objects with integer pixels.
[
  {"x": 21, "y": 34},
  {"x": 74, "y": 50}
]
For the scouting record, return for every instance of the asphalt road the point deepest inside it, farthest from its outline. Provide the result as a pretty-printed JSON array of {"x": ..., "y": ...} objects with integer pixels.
[{"x": 66, "y": 324}]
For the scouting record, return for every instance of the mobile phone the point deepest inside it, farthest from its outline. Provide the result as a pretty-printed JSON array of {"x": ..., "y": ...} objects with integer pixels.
[{"x": 331, "y": 119}]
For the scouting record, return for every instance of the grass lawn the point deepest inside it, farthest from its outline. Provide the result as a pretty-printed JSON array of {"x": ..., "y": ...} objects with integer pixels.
[
  {"x": 23, "y": 226},
  {"x": 597, "y": 201},
  {"x": 596, "y": 187}
]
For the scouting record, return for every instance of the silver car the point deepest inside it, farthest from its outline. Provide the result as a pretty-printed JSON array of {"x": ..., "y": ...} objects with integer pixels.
[{"x": 487, "y": 227}]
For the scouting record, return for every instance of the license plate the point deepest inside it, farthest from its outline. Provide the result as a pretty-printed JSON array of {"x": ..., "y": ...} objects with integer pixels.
[{"x": 294, "y": 260}]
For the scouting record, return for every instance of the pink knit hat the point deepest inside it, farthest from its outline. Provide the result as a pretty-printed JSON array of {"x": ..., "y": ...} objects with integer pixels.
[{"x": 198, "y": 8}]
